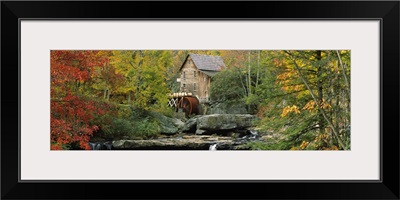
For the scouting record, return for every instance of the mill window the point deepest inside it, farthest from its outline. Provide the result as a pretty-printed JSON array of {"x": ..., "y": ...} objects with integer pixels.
[{"x": 194, "y": 87}]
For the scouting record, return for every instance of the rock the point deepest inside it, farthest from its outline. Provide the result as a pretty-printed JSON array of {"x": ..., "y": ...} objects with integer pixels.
[
  {"x": 227, "y": 108},
  {"x": 186, "y": 142},
  {"x": 234, "y": 134},
  {"x": 178, "y": 123},
  {"x": 119, "y": 144},
  {"x": 224, "y": 122},
  {"x": 168, "y": 129},
  {"x": 167, "y": 125},
  {"x": 190, "y": 125},
  {"x": 200, "y": 132}
]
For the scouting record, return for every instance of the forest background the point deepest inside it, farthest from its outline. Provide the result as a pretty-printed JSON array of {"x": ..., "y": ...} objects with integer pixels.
[{"x": 302, "y": 98}]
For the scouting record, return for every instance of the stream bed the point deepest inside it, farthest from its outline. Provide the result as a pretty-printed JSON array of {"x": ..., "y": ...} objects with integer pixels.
[{"x": 182, "y": 142}]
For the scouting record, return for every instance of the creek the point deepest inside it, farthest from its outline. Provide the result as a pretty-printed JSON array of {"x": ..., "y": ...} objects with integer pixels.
[{"x": 187, "y": 142}]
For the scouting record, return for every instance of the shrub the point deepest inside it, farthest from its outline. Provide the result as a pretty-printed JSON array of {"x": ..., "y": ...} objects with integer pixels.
[
  {"x": 226, "y": 86},
  {"x": 127, "y": 124},
  {"x": 124, "y": 111},
  {"x": 121, "y": 127},
  {"x": 145, "y": 128}
]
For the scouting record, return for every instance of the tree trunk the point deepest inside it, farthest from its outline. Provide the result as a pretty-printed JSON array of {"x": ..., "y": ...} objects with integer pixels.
[
  {"x": 343, "y": 72},
  {"x": 321, "y": 120},
  {"x": 108, "y": 95},
  {"x": 346, "y": 80},
  {"x": 241, "y": 81},
  {"x": 129, "y": 97},
  {"x": 258, "y": 68},
  {"x": 138, "y": 77},
  {"x": 249, "y": 77}
]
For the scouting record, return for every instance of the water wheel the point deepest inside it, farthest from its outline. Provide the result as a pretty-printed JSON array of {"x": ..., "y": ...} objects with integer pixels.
[{"x": 189, "y": 105}]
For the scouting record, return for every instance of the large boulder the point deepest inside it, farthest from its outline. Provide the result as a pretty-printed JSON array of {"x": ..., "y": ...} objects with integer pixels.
[
  {"x": 200, "y": 132},
  {"x": 177, "y": 122},
  {"x": 218, "y": 122},
  {"x": 168, "y": 125},
  {"x": 190, "y": 125},
  {"x": 232, "y": 107}
]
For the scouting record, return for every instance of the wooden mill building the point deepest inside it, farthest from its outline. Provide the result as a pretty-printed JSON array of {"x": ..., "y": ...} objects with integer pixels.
[{"x": 196, "y": 72}]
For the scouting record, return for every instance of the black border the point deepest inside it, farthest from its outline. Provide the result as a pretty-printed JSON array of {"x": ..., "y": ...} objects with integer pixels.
[
  {"x": 199, "y": 181},
  {"x": 386, "y": 11}
]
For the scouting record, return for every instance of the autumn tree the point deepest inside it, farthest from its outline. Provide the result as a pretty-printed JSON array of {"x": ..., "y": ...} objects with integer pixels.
[
  {"x": 72, "y": 111},
  {"x": 314, "y": 106}
]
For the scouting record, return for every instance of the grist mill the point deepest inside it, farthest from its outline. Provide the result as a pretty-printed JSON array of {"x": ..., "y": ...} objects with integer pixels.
[{"x": 195, "y": 79}]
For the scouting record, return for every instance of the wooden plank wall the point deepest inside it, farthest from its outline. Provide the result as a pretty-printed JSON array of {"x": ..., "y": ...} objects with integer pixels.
[{"x": 188, "y": 82}]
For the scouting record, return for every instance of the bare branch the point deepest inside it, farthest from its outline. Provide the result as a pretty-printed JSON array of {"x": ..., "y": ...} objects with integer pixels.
[{"x": 343, "y": 71}]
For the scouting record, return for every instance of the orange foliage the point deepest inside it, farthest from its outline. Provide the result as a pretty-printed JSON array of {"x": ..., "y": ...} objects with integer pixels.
[
  {"x": 289, "y": 109},
  {"x": 72, "y": 115}
]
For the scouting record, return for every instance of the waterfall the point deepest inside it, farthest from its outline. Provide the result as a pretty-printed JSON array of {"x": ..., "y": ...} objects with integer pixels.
[
  {"x": 108, "y": 145},
  {"x": 100, "y": 146},
  {"x": 213, "y": 147},
  {"x": 252, "y": 136},
  {"x": 254, "y": 132}
]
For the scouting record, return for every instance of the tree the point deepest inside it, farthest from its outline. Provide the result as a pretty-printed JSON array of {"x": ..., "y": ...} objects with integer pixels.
[
  {"x": 152, "y": 88},
  {"x": 314, "y": 110},
  {"x": 71, "y": 111},
  {"x": 221, "y": 91}
]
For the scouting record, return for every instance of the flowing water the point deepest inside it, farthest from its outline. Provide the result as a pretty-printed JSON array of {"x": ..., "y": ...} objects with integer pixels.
[
  {"x": 213, "y": 147},
  {"x": 100, "y": 146},
  {"x": 182, "y": 142}
]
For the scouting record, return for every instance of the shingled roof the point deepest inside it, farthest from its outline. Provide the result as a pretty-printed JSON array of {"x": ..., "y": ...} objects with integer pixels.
[{"x": 207, "y": 62}]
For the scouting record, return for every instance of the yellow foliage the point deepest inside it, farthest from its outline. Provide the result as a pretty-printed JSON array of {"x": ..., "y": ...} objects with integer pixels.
[
  {"x": 292, "y": 88},
  {"x": 309, "y": 106},
  {"x": 289, "y": 109},
  {"x": 286, "y": 77},
  {"x": 325, "y": 105},
  {"x": 321, "y": 137},
  {"x": 298, "y": 87},
  {"x": 304, "y": 144},
  {"x": 282, "y": 76},
  {"x": 335, "y": 67}
]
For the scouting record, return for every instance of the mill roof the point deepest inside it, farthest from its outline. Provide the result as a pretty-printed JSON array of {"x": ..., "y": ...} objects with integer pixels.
[{"x": 207, "y": 62}]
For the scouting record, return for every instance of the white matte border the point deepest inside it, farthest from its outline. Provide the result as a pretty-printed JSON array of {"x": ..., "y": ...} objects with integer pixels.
[{"x": 39, "y": 163}]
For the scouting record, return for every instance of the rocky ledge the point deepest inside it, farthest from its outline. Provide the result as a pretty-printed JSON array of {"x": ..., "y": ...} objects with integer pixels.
[
  {"x": 185, "y": 142},
  {"x": 218, "y": 123}
]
